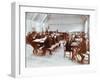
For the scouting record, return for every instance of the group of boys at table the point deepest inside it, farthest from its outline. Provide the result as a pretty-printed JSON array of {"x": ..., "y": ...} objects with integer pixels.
[{"x": 75, "y": 44}]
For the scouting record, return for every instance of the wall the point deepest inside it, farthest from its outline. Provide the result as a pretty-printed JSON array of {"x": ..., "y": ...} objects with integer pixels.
[
  {"x": 65, "y": 23},
  {"x": 5, "y": 39},
  {"x": 66, "y": 28}
]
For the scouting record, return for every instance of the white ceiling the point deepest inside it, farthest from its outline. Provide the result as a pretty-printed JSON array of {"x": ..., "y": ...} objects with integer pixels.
[
  {"x": 61, "y": 18},
  {"x": 63, "y": 22}
]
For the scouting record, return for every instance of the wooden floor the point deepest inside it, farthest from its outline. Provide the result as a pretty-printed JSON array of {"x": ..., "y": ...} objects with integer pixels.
[{"x": 57, "y": 59}]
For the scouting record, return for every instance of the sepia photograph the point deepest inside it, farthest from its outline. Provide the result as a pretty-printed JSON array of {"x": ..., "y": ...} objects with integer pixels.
[{"x": 54, "y": 39}]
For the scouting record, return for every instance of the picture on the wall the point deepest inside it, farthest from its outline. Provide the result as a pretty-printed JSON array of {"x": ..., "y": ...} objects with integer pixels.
[{"x": 56, "y": 39}]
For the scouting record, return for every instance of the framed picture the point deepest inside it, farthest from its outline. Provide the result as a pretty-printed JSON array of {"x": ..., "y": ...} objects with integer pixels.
[{"x": 52, "y": 40}]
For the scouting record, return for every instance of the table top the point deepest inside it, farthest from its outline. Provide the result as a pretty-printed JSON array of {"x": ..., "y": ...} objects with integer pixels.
[{"x": 40, "y": 40}]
